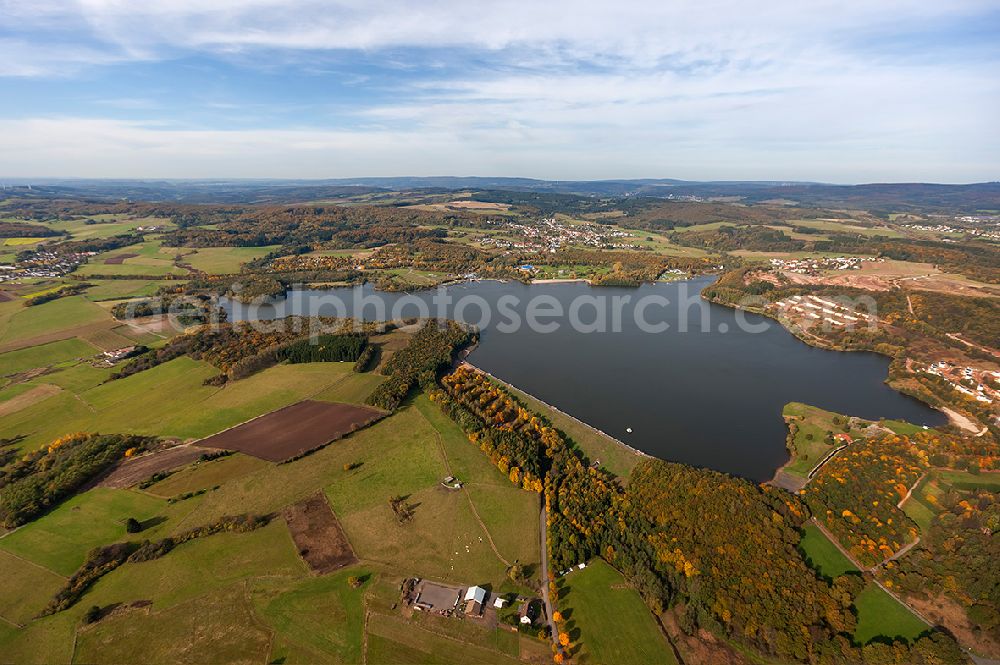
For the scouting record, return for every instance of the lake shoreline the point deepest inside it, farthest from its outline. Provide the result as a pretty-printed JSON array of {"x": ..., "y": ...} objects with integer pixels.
[
  {"x": 955, "y": 419},
  {"x": 696, "y": 385}
]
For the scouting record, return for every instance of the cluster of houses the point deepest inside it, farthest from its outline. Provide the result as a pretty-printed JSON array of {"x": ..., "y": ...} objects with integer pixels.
[
  {"x": 813, "y": 266},
  {"x": 992, "y": 233},
  {"x": 43, "y": 263},
  {"x": 972, "y": 382},
  {"x": 810, "y": 310},
  {"x": 549, "y": 235}
]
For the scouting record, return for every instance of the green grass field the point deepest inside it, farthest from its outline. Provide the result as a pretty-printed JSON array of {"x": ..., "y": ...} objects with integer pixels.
[
  {"x": 880, "y": 615},
  {"x": 45, "y": 355},
  {"x": 223, "y": 260},
  {"x": 80, "y": 230},
  {"x": 121, "y": 289},
  {"x": 316, "y": 619},
  {"x": 923, "y": 503},
  {"x": 609, "y": 620},
  {"x": 204, "y": 475},
  {"x": 391, "y": 639},
  {"x": 822, "y": 554},
  {"x": 26, "y": 588},
  {"x": 50, "y": 317},
  {"x": 810, "y": 446},
  {"x": 847, "y": 226},
  {"x": 75, "y": 377},
  {"x": 963, "y": 480},
  {"x": 173, "y": 401},
  {"x": 60, "y": 540},
  {"x": 495, "y": 498},
  {"x": 219, "y": 627},
  {"x": 203, "y": 565},
  {"x": 137, "y": 266}
]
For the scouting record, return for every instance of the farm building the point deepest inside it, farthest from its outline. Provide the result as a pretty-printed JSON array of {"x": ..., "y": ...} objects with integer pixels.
[{"x": 475, "y": 598}]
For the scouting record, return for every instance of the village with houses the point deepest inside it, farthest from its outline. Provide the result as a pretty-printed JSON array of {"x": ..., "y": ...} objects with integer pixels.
[
  {"x": 975, "y": 383},
  {"x": 814, "y": 265},
  {"x": 42, "y": 264},
  {"x": 549, "y": 235}
]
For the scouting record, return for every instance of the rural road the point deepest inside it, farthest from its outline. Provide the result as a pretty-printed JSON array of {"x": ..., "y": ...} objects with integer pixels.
[{"x": 545, "y": 576}]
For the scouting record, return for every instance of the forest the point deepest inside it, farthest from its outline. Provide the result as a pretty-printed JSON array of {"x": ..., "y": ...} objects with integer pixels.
[
  {"x": 958, "y": 556},
  {"x": 241, "y": 349},
  {"x": 9, "y": 229},
  {"x": 258, "y": 226},
  {"x": 429, "y": 349},
  {"x": 855, "y": 496}
]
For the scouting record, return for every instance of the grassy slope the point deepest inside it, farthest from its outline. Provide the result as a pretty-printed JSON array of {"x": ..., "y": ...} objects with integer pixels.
[
  {"x": 224, "y": 260},
  {"x": 611, "y": 619},
  {"x": 814, "y": 422},
  {"x": 822, "y": 554},
  {"x": 45, "y": 355},
  {"x": 61, "y": 539},
  {"x": 402, "y": 454},
  {"x": 61, "y": 314},
  {"x": 25, "y": 587},
  {"x": 220, "y": 626},
  {"x": 879, "y": 615},
  {"x": 170, "y": 400},
  {"x": 117, "y": 289},
  {"x": 202, "y": 475},
  {"x": 316, "y": 619}
]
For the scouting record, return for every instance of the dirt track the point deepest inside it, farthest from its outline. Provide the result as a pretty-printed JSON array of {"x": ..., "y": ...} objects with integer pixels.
[{"x": 133, "y": 471}]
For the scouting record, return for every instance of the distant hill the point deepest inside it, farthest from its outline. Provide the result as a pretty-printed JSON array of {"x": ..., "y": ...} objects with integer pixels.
[{"x": 881, "y": 197}]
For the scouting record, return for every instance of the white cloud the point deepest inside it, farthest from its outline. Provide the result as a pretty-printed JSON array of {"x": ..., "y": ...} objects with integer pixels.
[
  {"x": 692, "y": 88},
  {"x": 83, "y": 147},
  {"x": 639, "y": 33}
]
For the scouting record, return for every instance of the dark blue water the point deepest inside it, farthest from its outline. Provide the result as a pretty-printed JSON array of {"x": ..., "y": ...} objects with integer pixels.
[{"x": 707, "y": 392}]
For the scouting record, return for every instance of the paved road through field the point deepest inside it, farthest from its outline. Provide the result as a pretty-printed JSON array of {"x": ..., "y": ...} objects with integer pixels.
[{"x": 545, "y": 576}]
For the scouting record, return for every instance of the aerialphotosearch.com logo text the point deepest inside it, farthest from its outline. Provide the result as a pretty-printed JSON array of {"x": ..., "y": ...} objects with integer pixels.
[{"x": 677, "y": 308}]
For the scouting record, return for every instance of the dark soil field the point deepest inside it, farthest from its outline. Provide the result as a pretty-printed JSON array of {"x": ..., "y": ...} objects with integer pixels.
[
  {"x": 136, "y": 470},
  {"x": 7, "y": 296},
  {"x": 318, "y": 536},
  {"x": 293, "y": 430},
  {"x": 118, "y": 260}
]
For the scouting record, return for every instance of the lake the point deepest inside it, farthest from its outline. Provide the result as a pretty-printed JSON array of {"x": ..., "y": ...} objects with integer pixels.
[{"x": 707, "y": 390}]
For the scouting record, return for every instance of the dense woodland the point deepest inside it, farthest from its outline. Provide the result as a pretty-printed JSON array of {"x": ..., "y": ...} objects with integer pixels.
[
  {"x": 429, "y": 349},
  {"x": 855, "y": 495},
  {"x": 241, "y": 349},
  {"x": 857, "y": 492},
  {"x": 360, "y": 226},
  {"x": 9, "y": 229},
  {"x": 958, "y": 557}
]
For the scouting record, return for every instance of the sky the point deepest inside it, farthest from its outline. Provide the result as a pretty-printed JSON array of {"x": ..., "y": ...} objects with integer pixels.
[{"x": 836, "y": 91}]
